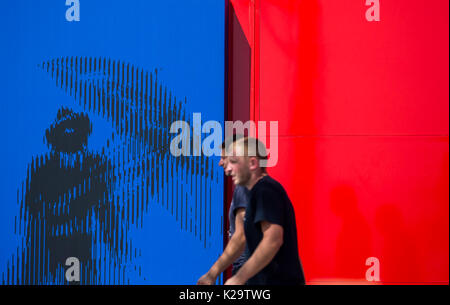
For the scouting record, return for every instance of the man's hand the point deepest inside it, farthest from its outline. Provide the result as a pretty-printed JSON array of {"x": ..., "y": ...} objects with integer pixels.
[
  {"x": 206, "y": 279},
  {"x": 235, "y": 280},
  {"x": 233, "y": 250}
]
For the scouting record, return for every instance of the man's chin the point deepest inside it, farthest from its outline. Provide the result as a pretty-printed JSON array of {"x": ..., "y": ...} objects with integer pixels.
[{"x": 238, "y": 182}]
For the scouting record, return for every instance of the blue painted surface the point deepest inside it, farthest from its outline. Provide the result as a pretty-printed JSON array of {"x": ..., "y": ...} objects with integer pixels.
[{"x": 184, "y": 41}]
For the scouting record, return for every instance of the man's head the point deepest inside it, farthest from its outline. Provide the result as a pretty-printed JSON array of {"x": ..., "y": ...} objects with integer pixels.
[
  {"x": 244, "y": 158},
  {"x": 223, "y": 162}
]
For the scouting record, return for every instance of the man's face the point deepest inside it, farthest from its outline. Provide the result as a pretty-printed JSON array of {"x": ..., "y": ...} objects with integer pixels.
[
  {"x": 224, "y": 163},
  {"x": 239, "y": 170}
]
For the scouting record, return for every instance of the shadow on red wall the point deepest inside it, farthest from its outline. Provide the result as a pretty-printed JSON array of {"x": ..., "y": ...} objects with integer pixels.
[{"x": 353, "y": 246}]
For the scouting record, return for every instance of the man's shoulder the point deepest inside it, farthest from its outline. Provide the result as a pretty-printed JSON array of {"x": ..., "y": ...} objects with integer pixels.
[
  {"x": 241, "y": 191},
  {"x": 271, "y": 188},
  {"x": 269, "y": 184},
  {"x": 240, "y": 197}
]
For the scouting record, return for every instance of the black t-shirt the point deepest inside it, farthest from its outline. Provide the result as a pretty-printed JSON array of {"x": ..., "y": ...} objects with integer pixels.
[{"x": 269, "y": 202}]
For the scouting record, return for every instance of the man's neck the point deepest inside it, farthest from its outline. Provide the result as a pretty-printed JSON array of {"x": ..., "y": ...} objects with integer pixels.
[{"x": 254, "y": 178}]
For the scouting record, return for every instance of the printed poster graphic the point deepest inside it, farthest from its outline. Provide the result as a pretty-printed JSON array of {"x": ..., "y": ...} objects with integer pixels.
[{"x": 89, "y": 92}]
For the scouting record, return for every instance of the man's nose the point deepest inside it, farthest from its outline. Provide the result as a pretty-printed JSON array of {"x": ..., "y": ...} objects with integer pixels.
[{"x": 227, "y": 171}]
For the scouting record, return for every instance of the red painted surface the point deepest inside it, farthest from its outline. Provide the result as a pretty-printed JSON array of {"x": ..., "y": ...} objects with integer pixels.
[{"x": 363, "y": 111}]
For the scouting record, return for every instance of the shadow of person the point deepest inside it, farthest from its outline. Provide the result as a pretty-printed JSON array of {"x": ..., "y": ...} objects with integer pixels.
[
  {"x": 399, "y": 262},
  {"x": 435, "y": 227},
  {"x": 353, "y": 245}
]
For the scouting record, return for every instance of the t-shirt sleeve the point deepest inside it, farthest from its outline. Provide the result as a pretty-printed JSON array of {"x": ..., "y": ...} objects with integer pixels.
[
  {"x": 240, "y": 199},
  {"x": 269, "y": 206}
]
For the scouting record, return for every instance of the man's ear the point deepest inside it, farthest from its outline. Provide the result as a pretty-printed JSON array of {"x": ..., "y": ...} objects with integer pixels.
[{"x": 253, "y": 163}]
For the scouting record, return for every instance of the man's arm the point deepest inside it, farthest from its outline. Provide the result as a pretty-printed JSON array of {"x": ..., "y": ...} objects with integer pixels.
[
  {"x": 263, "y": 255},
  {"x": 232, "y": 251}
]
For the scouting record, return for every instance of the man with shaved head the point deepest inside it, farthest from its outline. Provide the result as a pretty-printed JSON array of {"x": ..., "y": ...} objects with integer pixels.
[
  {"x": 270, "y": 227},
  {"x": 235, "y": 252}
]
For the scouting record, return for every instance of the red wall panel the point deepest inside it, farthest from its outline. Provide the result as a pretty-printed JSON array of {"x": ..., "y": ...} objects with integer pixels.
[
  {"x": 360, "y": 197},
  {"x": 363, "y": 111},
  {"x": 344, "y": 75}
]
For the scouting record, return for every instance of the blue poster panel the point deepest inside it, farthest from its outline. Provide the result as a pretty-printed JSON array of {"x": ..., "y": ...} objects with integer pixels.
[{"x": 90, "y": 191}]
